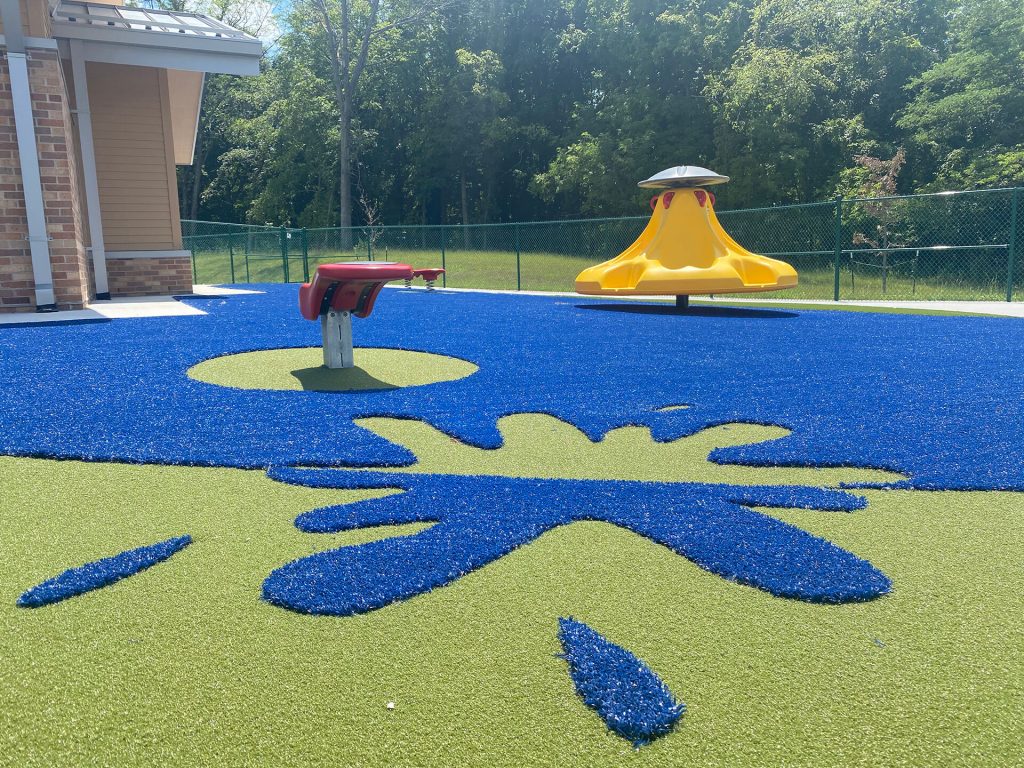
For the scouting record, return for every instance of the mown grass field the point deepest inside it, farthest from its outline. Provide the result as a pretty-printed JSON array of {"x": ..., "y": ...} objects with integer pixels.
[{"x": 557, "y": 272}]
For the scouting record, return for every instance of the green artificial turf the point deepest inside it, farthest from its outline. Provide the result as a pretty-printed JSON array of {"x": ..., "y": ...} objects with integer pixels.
[
  {"x": 185, "y": 665},
  {"x": 302, "y": 368}
]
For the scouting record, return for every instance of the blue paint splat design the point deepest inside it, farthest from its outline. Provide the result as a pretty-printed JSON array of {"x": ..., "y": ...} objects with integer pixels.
[
  {"x": 100, "y": 573},
  {"x": 478, "y": 519},
  {"x": 631, "y": 699},
  {"x": 869, "y": 401}
]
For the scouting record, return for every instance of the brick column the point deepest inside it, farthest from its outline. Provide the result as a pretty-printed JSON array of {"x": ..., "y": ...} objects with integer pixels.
[{"x": 72, "y": 275}]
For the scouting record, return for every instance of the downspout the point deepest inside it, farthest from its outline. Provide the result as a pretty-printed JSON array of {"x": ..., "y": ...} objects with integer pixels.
[{"x": 24, "y": 126}]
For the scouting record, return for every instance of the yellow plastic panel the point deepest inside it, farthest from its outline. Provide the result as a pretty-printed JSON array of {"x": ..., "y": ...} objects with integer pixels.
[{"x": 683, "y": 250}]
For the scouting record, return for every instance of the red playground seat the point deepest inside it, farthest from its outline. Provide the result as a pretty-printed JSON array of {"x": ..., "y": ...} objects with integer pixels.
[
  {"x": 429, "y": 275},
  {"x": 351, "y": 286},
  {"x": 338, "y": 291}
]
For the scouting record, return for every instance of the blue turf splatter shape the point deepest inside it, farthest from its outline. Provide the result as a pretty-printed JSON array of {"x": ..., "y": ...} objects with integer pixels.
[
  {"x": 631, "y": 699},
  {"x": 100, "y": 573},
  {"x": 478, "y": 519},
  {"x": 935, "y": 398}
]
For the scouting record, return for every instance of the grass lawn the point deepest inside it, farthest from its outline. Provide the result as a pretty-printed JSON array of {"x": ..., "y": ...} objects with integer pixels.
[
  {"x": 122, "y": 434},
  {"x": 557, "y": 272}
]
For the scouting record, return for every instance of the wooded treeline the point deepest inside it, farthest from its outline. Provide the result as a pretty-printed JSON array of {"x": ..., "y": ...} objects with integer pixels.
[{"x": 476, "y": 111}]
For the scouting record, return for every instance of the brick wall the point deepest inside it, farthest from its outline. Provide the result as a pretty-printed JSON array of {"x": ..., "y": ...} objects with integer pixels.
[
  {"x": 59, "y": 176},
  {"x": 149, "y": 277},
  {"x": 58, "y": 171}
]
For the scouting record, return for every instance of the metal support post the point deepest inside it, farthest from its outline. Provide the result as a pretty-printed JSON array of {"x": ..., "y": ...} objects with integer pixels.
[
  {"x": 1011, "y": 250},
  {"x": 519, "y": 271},
  {"x": 305, "y": 255},
  {"x": 838, "y": 248},
  {"x": 336, "y": 328},
  {"x": 97, "y": 246},
  {"x": 284, "y": 253},
  {"x": 444, "y": 275}
]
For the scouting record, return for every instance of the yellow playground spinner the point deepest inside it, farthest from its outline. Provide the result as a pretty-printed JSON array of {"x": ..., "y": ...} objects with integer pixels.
[{"x": 683, "y": 250}]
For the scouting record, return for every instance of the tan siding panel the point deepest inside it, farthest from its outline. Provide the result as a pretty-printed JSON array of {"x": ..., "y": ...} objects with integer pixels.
[
  {"x": 153, "y": 203},
  {"x": 130, "y": 131},
  {"x": 35, "y": 20},
  {"x": 149, "y": 199},
  {"x": 112, "y": 123},
  {"x": 132, "y": 150}
]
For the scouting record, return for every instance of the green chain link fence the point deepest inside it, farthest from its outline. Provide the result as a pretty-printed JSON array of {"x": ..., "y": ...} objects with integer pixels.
[{"x": 949, "y": 245}]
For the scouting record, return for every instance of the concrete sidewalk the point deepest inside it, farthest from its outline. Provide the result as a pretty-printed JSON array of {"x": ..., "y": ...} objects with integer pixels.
[
  {"x": 1000, "y": 308},
  {"x": 995, "y": 308},
  {"x": 114, "y": 309}
]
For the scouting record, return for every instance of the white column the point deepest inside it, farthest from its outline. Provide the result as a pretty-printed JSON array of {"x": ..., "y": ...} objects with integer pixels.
[
  {"x": 88, "y": 158},
  {"x": 336, "y": 327},
  {"x": 24, "y": 125}
]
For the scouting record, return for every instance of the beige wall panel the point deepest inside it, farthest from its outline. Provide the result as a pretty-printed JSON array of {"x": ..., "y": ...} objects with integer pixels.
[
  {"x": 35, "y": 20},
  {"x": 186, "y": 92},
  {"x": 134, "y": 157}
]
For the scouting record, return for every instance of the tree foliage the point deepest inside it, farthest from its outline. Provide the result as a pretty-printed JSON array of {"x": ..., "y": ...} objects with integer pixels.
[{"x": 492, "y": 110}]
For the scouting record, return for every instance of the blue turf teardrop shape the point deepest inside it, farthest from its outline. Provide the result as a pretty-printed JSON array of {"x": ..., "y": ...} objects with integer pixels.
[
  {"x": 632, "y": 700},
  {"x": 100, "y": 573}
]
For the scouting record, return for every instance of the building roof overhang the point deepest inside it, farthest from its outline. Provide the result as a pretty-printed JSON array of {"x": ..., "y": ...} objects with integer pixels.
[{"x": 155, "y": 38}]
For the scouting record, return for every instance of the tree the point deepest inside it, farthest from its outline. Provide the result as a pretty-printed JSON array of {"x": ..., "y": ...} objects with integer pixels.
[
  {"x": 881, "y": 222},
  {"x": 490, "y": 110},
  {"x": 814, "y": 82},
  {"x": 350, "y": 28},
  {"x": 641, "y": 106},
  {"x": 967, "y": 108},
  {"x": 254, "y": 17}
]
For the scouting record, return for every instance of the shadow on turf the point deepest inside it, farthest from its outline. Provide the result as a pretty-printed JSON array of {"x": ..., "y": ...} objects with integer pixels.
[
  {"x": 321, "y": 379},
  {"x": 693, "y": 311}
]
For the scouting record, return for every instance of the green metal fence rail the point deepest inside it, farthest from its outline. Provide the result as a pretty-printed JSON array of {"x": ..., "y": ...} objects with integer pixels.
[{"x": 947, "y": 245}]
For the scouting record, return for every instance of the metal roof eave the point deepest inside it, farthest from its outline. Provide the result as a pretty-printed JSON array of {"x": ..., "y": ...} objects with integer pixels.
[
  {"x": 146, "y": 37},
  {"x": 232, "y": 57}
]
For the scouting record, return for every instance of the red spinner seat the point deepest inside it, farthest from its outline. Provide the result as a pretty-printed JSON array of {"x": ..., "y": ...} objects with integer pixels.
[{"x": 348, "y": 286}]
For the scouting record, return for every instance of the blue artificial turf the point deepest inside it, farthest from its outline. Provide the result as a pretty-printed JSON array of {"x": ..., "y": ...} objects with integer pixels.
[
  {"x": 100, "y": 573},
  {"x": 937, "y": 398},
  {"x": 631, "y": 699},
  {"x": 478, "y": 519}
]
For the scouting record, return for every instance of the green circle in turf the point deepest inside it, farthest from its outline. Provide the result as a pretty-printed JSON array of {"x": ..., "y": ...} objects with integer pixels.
[{"x": 302, "y": 369}]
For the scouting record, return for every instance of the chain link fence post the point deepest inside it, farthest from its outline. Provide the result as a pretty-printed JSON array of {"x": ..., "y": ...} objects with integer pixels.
[
  {"x": 231, "y": 258},
  {"x": 838, "y": 249},
  {"x": 1011, "y": 244},
  {"x": 444, "y": 275},
  {"x": 519, "y": 271},
  {"x": 284, "y": 253},
  {"x": 305, "y": 255}
]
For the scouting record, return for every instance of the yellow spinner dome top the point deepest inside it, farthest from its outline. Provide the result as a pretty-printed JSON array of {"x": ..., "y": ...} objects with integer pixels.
[{"x": 683, "y": 250}]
